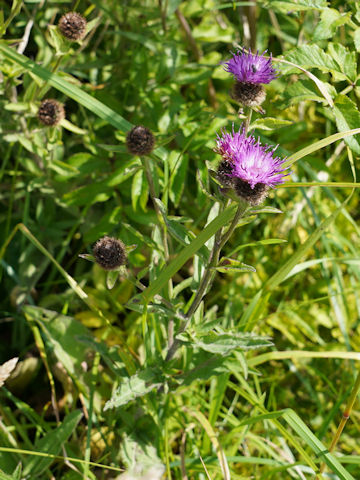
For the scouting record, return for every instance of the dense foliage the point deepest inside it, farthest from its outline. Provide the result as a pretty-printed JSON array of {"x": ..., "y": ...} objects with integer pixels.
[{"x": 222, "y": 341}]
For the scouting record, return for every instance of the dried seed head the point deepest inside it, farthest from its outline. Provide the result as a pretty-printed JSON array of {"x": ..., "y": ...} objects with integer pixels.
[
  {"x": 248, "y": 94},
  {"x": 140, "y": 141},
  {"x": 72, "y": 26},
  {"x": 109, "y": 253},
  {"x": 51, "y": 112},
  {"x": 253, "y": 196}
]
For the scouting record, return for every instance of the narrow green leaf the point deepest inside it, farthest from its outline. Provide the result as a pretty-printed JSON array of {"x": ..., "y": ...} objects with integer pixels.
[
  {"x": 188, "y": 252},
  {"x": 228, "y": 265},
  {"x": 269, "y": 123},
  {"x": 51, "y": 443},
  {"x": 72, "y": 91},
  {"x": 285, "y": 269},
  {"x": 318, "y": 145}
]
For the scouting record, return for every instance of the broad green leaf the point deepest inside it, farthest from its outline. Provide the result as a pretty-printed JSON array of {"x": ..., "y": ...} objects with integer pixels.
[
  {"x": 61, "y": 332},
  {"x": 52, "y": 443},
  {"x": 134, "y": 387},
  {"x": 357, "y": 39},
  {"x": 298, "y": 6},
  {"x": 223, "y": 343},
  {"x": 330, "y": 20},
  {"x": 305, "y": 90},
  {"x": 347, "y": 116},
  {"x": 312, "y": 56},
  {"x": 345, "y": 59}
]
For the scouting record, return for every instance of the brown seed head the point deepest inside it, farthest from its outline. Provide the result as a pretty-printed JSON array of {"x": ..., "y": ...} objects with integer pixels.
[
  {"x": 253, "y": 196},
  {"x": 51, "y": 112},
  {"x": 109, "y": 253},
  {"x": 140, "y": 141},
  {"x": 248, "y": 94},
  {"x": 72, "y": 26}
]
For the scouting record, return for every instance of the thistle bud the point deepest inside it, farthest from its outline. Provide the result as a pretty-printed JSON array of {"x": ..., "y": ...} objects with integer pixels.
[
  {"x": 109, "y": 253},
  {"x": 248, "y": 94},
  {"x": 51, "y": 112},
  {"x": 140, "y": 141},
  {"x": 72, "y": 26}
]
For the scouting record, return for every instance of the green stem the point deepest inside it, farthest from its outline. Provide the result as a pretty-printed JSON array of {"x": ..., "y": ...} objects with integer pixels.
[
  {"x": 208, "y": 276},
  {"x": 146, "y": 166}
]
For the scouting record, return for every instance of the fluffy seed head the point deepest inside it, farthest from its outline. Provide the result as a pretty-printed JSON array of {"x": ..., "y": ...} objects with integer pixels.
[
  {"x": 72, "y": 26},
  {"x": 251, "y": 167},
  {"x": 140, "y": 141},
  {"x": 249, "y": 68},
  {"x": 248, "y": 94},
  {"x": 51, "y": 112},
  {"x": 109, "y": 253}
]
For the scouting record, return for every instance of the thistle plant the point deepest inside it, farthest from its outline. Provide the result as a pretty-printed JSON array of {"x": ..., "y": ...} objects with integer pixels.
[{"x": 168, "y": 355}]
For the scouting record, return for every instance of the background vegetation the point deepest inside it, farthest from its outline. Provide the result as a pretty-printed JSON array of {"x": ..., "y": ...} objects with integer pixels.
[{"x": 91, "y": 386}]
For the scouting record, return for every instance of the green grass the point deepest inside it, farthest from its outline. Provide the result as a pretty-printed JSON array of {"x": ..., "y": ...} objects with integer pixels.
[{"x": 263, "y": 311}]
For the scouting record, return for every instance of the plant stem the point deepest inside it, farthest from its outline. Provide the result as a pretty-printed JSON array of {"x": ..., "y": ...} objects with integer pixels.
[
  {"x": 208, "y": 275},
  {"x": 146, "y": 166},
  {"x": 345, "y": 417}
]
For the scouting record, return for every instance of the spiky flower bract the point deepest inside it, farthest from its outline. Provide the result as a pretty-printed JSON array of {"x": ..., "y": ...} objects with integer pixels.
[
  {"x": 109, "y": 253},
  {"x": 247, "y": 166},
  {"x": 250, "y": 68},
  {"x": 51, "y": 112},
  {"x": 140, "y": 141},
  {"x": 72, "y": 26}
]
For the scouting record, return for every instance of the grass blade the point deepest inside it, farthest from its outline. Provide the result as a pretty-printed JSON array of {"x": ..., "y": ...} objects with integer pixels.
[{"x": 188, "y": 252}]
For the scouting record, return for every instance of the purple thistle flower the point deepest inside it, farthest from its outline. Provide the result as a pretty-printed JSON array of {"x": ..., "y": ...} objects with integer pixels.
[
  {"x": 249, "y": 68},
  {"x": 247, "y": 166}
]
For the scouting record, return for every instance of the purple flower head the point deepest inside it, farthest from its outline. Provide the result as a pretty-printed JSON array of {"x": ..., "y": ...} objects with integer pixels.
[
  {"x": 250, "y": 161},
  {"x": 249, "y": 68}
]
